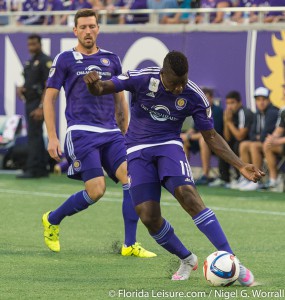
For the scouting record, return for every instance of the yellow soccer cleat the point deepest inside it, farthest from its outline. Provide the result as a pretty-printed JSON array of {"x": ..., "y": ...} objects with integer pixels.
[
  {"x": 136, "y": 250},
  {"x": 51, "y": 234}
]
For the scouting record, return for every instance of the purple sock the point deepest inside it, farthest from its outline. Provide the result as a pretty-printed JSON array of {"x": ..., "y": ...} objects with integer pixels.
[
  {"x": 207, "y": 222},
  {"x": 130, "y": 217},
  {"x": 166, "y": 238},
  {"x": 74, "y": 204}
]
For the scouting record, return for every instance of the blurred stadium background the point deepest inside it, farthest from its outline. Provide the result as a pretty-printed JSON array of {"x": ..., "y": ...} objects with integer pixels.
[{"x": 225, "y": 56}]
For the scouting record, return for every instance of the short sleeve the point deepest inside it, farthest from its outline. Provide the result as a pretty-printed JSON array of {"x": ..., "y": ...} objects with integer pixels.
[
  {"x": 202, "y": 114},
  {"x": 126, "y": 81},
  {"x": 57, "y": 73},
  {"x": 281, "y": 118}
]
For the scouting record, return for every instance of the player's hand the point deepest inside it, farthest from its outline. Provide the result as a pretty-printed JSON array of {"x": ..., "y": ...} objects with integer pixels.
[
  {"x": 250, "y": 172},
  {"x": 91, "y": 77},
  {"x": 54, "y": 149},
  {"x": 37, "y": 114}
]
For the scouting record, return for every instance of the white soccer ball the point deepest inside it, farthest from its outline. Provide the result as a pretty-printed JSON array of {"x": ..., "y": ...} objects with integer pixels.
[{"x": 221, "y": 268}]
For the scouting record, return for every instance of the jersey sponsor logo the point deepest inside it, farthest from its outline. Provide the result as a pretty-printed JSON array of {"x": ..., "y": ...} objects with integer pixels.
[
  {"x": 159, "y": 113},
  {"x": 124, "y": 76},
  {"x": 77, "y": 165},
  {"x": 151, "y": 94},
  {"x": 94, "y": 68},
  {"x": 36, "y": 62},
  {"x": 105, "y": 61},
  {"x": 180, "y": 103},
  {"x": 209, "y": 112},
  {"x": 153, "y": 84},
  {"x": 51, "y": 72}
]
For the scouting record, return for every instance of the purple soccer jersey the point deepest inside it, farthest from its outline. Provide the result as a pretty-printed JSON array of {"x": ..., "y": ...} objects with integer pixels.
[
  {"x": 93, "y": 138},
  {"x": 156, "y": 114},
  {"x": 82, "y": 108},
  {"x": 155, "y": 150}
]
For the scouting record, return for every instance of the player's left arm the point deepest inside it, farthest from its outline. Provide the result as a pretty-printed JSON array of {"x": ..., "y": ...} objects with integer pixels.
[
  {"x": 96, "y": 86},
  {"x": 121, "y": 111},
  {"x": 220, "y": 147}
]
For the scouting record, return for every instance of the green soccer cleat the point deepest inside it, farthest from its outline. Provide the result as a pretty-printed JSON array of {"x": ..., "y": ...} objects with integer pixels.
[
  {"x": 51, "y": 234},
  {"x": 136, "y": 250}
]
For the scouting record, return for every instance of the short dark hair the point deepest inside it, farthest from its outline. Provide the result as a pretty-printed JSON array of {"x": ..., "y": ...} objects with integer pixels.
[
  {"x": 177, "y": 62},
  {"x": 83, "y": 13},
  {"x": 234, "y": 95},
  {"x": 35, "y": 36},
  {"x": 208, "y": 91}
]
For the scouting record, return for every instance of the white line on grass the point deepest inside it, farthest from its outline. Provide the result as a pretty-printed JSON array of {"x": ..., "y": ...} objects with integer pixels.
[{"x": 116, "y": 199}]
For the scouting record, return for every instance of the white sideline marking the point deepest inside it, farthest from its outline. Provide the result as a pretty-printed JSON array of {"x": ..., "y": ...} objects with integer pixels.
[{"x": 115, "y": 199}]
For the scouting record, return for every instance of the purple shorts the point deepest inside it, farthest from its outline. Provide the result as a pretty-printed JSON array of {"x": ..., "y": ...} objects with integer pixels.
[
  {"x": 87, "y": 152},
  {"x": 149, "y": 168}
]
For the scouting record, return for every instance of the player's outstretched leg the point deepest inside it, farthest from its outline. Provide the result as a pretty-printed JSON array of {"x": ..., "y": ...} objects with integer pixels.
[
  {"x": 131, "y": 247},
  {"x": 207, "y": 222},
  {"x": 51, "y": 220}
]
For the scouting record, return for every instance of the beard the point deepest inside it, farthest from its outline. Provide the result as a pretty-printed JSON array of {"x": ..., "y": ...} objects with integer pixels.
[{"x": 88, "y": 44}]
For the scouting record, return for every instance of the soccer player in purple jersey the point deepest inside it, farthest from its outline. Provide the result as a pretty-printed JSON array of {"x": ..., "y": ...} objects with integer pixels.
[
  {"x": 93, "y": 139},
  {"x": 162, "y": 99}
]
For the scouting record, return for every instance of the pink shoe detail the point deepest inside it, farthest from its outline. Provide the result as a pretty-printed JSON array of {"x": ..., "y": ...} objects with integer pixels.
[{"x": 247, "y": 276}]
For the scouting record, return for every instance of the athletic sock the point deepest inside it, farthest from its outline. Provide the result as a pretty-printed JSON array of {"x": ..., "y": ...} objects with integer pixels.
[
  {"x": 207, "y": 223},
  {"x": 74, "y": 204},
  {"x": 130, "y": 217},
  {"x": 166, "y": 238}
]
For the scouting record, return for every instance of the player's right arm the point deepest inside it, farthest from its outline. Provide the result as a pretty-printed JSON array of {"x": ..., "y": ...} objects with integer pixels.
[
  {"x": 56, "y": 78},
  {"x": 98, "y": 87},
  {"x": 50, "y": 97}
]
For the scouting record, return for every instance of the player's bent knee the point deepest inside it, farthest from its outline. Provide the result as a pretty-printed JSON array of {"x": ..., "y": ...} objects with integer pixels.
[{"x": 95, "y": 193}]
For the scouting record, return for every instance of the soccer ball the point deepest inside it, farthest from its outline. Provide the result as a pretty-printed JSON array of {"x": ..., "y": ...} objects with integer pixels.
[{"x": 221, "y": 268}]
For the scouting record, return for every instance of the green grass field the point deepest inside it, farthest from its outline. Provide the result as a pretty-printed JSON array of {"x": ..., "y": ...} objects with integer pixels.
[{"x": 89, "y": 266}]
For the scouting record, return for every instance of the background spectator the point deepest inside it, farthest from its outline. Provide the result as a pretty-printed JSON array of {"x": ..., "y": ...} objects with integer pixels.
[
  {"x": 162, "y": 4},
  {"x": 237, "y": 123},
  {"x": 178, "y": 18},
  {"x": 32, "y": 5},
  {"x": 275, "y": 16},
  {"x": 243, "y": 17},
  {"x": 205, "y": 152},
  {"x": 3, "y": 8},
  {"x": 274, "y": 147},
  {"x": 214, "y": 17},
  {"x": 263, "y": 124},
  {"x": 132, "y": 18},
  {"x": 53, "y": 5}
]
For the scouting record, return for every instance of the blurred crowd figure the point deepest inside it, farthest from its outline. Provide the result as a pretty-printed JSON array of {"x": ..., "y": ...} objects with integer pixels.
[
  {"x": 258, "y": 138},
  {"x": 164, "y": 18}
]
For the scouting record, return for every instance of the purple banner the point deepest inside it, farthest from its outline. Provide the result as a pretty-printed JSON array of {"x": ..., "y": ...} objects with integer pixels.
[{"x": 223, "y": 61}]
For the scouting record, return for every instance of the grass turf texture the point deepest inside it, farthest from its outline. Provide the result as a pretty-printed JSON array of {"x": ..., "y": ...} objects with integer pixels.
[{"x": 89, "y": 265}]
